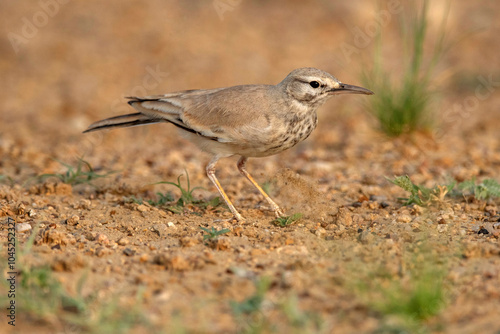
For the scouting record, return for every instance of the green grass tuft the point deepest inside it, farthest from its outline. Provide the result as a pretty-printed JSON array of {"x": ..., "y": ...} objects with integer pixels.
[
  {"x": 186, "y": 193},
  {"x": 264, "y": 313},
  {"x": 406, "y": 300},
  {"x": 43, "y": 298},
  {"x": 485, "y": 190},
  {"x": 213, "y": 233},
  {"x": 419, "y": 194},
  {"x": 253, "y": 303},
  {"x": 83, "y": 173},
  {"x": 287, "y": 220},
  {"x": 187, "y": 198},
  {"x": 402, "y": 106},
  {"x": 424, "y": 196},
  {"x": 162, "y": 199}
]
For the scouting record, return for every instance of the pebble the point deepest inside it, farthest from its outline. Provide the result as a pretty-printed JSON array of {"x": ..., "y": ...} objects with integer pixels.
[
  {"x": 23, "y": 227},
  {"x": 123, "y": 241},
  {"x": 189, "y": 241},
  {"x": 320, "y": 232},
  {"x": 73, "y": 220},
  {"x": 403, "y": 219},
  {"x": 442, "y": 228},
  {"x": 159, "y": 229},
  {"x": 483, "y": 231},
  {"x": 101, "y": 251},
  {"x": 128, "y": 251},
  {"x": 102, "y": 239},
  {"x": 221, "y": 243},
  {"x": 343, "y": 217}
]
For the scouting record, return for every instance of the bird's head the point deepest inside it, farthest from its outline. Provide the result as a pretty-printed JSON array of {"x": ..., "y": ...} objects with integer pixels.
[{"x": 313, "y": 87}]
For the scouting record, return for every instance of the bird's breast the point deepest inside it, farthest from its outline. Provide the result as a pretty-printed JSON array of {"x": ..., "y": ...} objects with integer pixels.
[{"x": 297, "y": 128}]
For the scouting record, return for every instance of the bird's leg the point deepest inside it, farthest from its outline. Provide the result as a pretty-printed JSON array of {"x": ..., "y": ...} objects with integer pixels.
[
  {"x": 211, "y": 176},
  {"x": 243, "y": 171}
]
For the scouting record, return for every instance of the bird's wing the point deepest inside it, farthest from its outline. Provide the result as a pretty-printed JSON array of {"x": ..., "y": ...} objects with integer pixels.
[{"x": 233, "y": 115}]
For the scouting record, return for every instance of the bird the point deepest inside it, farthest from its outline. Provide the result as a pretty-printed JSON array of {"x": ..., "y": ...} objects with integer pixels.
[{"x": 246, "y": 120}]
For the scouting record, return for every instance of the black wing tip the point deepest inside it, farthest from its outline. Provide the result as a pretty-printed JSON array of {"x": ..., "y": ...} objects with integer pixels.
[
  {"x": 92, "y": 129},
  {"x": 96, "y": 128},
  {"x": 135, "y": 99},
  {"x": 123, "y": 124}
]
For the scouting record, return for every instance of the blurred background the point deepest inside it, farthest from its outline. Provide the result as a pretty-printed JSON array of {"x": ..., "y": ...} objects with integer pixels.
[{"x": 66, "y": 64}]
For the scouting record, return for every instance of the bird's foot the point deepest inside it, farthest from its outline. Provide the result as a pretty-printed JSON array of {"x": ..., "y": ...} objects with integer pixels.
[
  {"x": 278, "y": 212},
  {"x": 239, "y": 218}
]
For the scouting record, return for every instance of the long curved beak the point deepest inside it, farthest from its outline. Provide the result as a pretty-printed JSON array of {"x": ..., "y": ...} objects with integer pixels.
[{"x": 350, "y": 89}]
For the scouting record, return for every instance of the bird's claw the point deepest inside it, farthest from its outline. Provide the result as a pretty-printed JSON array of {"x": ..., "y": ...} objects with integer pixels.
[{"x": 279, "y": 213}]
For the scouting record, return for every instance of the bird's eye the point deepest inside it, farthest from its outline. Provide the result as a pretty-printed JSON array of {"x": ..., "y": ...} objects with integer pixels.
[{"x": 314, "y": 84}]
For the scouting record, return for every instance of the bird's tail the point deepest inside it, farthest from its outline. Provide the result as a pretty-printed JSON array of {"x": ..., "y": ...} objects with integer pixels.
[{"x": 123, "y": 121}]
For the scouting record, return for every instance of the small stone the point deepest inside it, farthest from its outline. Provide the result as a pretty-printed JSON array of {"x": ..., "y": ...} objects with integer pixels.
[
  {"x": 343, "y": 217},
  {"x": 128, "y": 251},
  {"x": 102, "y": 239},
  {"x": 123, "y": 241},
  {"x": 442, "y": 228},
  {"x": 23, "y": 227},
  {"x": 417, "y": 210},
  {"x": 491, "y": 209},
  {"x": 220, "y": 243},
  {"x": 320, "y": 232},
  {"x": 90, "y": 236},
  {"x": 160, "y": 229},
  {"x": 142, "y": 208},
  {"x": 73, "y": 220},
  {"x": 178, "y": 263},
  {"x": 189, "y": 241},
  {"x": 403, "y": 219},
  {"x": 31, "y": 213},
  {"x": 170, "y": 224},
  {"x": 483, "y": 231},
  {"x": 102, "y": 251}
]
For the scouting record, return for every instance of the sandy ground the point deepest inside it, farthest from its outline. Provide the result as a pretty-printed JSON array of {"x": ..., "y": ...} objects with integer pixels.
[{"x": 148, "y": 261}]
